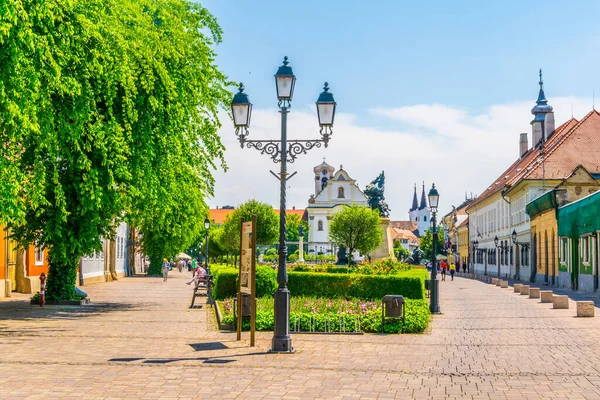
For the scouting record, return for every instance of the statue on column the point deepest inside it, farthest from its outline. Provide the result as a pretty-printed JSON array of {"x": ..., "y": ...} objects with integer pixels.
[{"x": 374, "y": 191}]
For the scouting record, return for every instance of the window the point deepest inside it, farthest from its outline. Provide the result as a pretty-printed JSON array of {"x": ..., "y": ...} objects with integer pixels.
[
  {"x": 585, "y": 241},
  {"x": 39, "y": 256},
  {"x": 425, "y": 218},
  {"x": 563, "y": 250},
  {"x": 320, "y": 225},
  {"x": 341, "y": 193}
]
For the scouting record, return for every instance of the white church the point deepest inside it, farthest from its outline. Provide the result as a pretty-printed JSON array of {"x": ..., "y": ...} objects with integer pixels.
[
  {"x": 336, "y": 189},
  {"x": 333, "y": 190}
]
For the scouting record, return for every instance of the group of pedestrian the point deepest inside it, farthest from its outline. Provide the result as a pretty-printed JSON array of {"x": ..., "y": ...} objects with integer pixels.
[
  {"x": 445, "y": 268},
  {"x": 191, "y": 265}
]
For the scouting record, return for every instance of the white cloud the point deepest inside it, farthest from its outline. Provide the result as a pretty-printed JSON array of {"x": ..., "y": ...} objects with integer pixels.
[{"x": 458, "y": 150}]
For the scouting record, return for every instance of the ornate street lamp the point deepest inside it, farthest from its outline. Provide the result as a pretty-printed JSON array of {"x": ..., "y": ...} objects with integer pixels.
[
  {"x": 206, "y": 228},
  {"x": 434, "y": 198},
  {"x": 283, "y": 151}
]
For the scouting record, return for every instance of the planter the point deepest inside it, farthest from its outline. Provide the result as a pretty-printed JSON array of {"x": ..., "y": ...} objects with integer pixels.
[
  {"x": 61, "y": 302},
  {"x": 223, "y": 327}
]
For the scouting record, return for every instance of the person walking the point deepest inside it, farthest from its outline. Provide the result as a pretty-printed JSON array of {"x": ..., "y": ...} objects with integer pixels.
[
  {"x": 443, "y": 267},
  {"x": 165, "y": 269},
  {"x": 452, "y": 270},
  {"x": 194, "y": 266}
]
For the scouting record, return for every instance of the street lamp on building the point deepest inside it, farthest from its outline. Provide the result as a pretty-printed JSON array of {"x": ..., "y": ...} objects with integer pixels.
[
  {"x": 283, "y": 151},
  {"x": 434, "y": 198}
]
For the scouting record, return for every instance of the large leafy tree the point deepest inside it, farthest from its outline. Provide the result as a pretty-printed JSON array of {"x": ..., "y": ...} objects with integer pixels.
[
  {"x": 108, "y": 109},
  {"x": 356, "y": 228},
  {"x": 267, "y": 224},
  {"x": 426, "y": 244}
]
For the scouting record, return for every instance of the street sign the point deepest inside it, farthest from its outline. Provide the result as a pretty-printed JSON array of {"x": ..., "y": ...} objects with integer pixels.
[{"x": 247, "y": 276}]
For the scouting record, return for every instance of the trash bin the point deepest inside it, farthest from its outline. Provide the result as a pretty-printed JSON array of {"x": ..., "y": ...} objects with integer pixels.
[
  {"x": 246, "y": 311},
  {"x": 392, "y": 306}
]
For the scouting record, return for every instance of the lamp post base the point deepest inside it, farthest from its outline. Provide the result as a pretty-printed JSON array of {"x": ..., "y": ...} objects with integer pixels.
[
  {"x": 434, "y": 306},
  {"x": 282, "y": 341}
]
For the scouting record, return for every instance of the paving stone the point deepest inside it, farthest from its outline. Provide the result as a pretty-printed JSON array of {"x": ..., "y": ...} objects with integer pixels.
[{"x": 138, "y": 340}]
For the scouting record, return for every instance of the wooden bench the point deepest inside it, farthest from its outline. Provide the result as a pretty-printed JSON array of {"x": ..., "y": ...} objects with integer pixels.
[{"x": 203, "y": 287}]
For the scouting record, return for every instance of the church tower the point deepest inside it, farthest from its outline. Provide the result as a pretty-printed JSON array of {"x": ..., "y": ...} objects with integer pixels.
[
  {"x": 323, "y": 173},
  {"x": 543, "y": 125},
  {"x": 419, "y": 212}
]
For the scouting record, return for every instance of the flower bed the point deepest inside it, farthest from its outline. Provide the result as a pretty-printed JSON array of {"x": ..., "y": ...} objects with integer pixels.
[{"x": 314, "y": 314}]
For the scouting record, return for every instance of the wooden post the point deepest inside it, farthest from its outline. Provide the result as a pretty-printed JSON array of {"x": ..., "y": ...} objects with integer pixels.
[
  {"x": 239, "y": 293},
  {"x": 253, "y": 285}
]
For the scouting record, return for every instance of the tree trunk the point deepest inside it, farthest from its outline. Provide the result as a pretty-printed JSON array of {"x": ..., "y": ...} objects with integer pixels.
[
  {"x": 350, "y": 256},
  {"x": 61, "y": 277}
]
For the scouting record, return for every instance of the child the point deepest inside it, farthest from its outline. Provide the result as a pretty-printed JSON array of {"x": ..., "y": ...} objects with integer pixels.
[{"x": 165, "y": 269}]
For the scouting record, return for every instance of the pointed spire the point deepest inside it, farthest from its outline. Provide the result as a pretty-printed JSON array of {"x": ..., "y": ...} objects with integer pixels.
[
  {"x": 415, "y": 203},
  {"x": 423, "y": 201},
  {"x": 541, "y": 96}
]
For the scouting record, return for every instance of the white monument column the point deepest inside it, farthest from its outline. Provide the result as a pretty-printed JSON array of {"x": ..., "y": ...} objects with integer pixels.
[{"x": 301, "y": 249}]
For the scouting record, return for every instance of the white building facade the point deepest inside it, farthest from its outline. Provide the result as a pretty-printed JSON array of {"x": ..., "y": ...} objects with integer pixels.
[{"x": 333, "y": 191}]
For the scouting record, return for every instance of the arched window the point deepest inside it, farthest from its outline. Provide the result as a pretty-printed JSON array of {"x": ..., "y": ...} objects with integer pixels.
[
  {"x": 425, "y": 218},
  {"x": 417, "y": 219},
  {"x": 320, "y": 225},
  {"x": 341, "y": 193}
]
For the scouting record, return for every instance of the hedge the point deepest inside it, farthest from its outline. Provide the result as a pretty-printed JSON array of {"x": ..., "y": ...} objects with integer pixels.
[
  {"x": 410, "y": 284},
  {"x": 369, "y": 287},
  {"x": 225, "y": 281}
]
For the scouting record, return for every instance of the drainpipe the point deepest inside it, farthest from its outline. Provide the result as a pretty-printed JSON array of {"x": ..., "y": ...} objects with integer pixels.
[{"x": 7, "y": 288}]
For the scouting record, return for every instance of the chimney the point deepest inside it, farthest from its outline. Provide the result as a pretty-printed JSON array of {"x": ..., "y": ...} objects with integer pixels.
[
  {"x": 550, "y": 125},
  {"x": 523, "y": 145}
]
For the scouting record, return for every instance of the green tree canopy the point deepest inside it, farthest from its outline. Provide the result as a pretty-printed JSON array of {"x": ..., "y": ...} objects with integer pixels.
[
  {"x": 426, "y": 243},
  {"x": 356, "y": 228},
  {"x": 267, "y": 224},
  {"x": 108, "y": 110}
]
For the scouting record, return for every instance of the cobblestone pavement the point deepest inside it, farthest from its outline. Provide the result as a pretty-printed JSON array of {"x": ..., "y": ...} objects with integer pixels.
[{"x": 138, "y": 339}]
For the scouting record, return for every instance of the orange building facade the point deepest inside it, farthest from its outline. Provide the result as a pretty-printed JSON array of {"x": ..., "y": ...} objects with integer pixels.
[{"x": 20, "y": 269}]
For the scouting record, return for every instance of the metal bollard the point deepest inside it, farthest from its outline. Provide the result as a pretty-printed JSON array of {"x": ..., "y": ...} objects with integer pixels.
[{"x": 42, "y": 289}]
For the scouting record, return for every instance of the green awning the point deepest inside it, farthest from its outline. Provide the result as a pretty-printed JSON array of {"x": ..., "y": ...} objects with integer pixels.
[
  {"x": 580, "y": 217},
  {"x": 545, "y": 202}
]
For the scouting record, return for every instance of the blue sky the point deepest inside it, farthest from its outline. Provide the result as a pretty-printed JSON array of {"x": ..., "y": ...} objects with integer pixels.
[{"x": 464, "y": 55}]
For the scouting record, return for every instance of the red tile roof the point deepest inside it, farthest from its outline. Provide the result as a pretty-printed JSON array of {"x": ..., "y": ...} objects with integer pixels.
[
  {"x": 218, "y": 215},
  {"x": 518, "y": 169}
]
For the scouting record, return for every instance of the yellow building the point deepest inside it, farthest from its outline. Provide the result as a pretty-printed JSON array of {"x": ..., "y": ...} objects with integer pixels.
[
  {"x": 544, "y": 225},
  {"x": 456, "y": 234},
  {"x": 462, "y": 231}
]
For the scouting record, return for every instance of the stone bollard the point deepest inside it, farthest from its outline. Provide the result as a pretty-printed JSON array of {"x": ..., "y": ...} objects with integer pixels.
[
  {"x": 585, "y": 308},
  {"x": 546, "y": 296},
  {"x": 494, "y": 280},
  {"x": 517, "y": 287},
  {"x": 503, "y": 284},
  {"x": 534, "y": 293},
  {"x": 524, "y": 290},
  {"x": 560, "y": 301}
]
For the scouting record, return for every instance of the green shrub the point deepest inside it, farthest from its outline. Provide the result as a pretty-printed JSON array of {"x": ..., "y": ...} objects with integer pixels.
[
  {"x": 370, "y": 287},
  {"x": 225, "y": 281},
  {"x": 410, "y": 284},
  {"x": 266, "y": 281}
]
